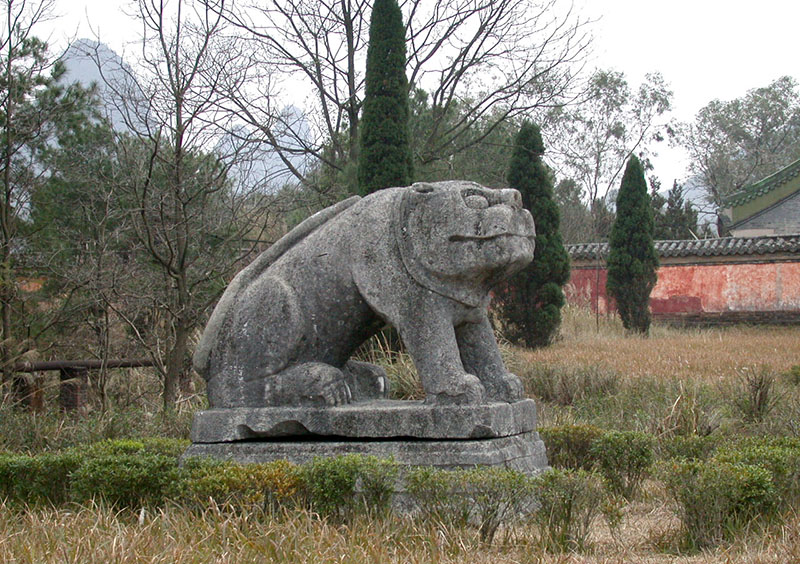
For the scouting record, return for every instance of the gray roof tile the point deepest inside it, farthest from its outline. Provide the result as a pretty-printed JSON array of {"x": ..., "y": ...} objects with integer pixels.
[{"x": 725, "y": 246}]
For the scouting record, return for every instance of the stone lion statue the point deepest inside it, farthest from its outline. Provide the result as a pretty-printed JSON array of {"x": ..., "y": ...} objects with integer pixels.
[{"x": 421, "y": 258}]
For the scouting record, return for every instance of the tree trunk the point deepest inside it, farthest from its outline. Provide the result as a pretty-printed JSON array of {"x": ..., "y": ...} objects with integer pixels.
[{"x": 175, "y": 373}]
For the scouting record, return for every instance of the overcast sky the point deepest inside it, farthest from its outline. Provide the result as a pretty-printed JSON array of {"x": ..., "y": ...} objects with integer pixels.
[{"x": 705, "y": 49}]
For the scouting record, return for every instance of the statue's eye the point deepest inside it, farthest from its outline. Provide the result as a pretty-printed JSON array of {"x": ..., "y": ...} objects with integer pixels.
[{"x": 476, "y": 201}]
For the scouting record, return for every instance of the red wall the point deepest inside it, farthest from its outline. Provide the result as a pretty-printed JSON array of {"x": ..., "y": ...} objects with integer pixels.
[{"x": 697, "y": 289}]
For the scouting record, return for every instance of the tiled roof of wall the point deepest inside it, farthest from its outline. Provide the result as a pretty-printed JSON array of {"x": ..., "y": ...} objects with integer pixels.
[
  {"x": 762, "y": 187},
  {"x": 701, "y": 247}
]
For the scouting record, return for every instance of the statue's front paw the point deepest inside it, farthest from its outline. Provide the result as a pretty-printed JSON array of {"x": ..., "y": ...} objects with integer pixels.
[
  {"x": 507, "y": 387},
  {"x": 457, "y": 389},
  {"x": 308, "y": 385}
]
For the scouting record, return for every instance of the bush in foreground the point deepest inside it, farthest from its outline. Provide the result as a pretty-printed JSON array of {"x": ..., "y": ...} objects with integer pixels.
[
  {"x": 570, "y": 503},
  {"x": 269, "y": 486},
  {"x": 623, "y": 457},
  {"x": 37, "y": 479},
  {"x": 570, "y": 446},
  {"x": 485, "y": 497},
  {"x": 346, "y": 485},
  {"x": 718, "y": 499}
]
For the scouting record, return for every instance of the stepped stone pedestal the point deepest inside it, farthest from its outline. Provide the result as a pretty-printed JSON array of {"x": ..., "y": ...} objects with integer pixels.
[{"x": 414, "y": 433}]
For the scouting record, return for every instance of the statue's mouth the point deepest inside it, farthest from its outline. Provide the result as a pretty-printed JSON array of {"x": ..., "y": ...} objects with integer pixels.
[{"x": 487, "y": 237}]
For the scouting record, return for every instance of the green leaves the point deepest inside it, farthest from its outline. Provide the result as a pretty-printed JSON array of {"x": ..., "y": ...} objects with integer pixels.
[
  {"x": 531, "y": 301},
  {"x": 737, "y": 142},
  {"x": 632, "y": 259},
  {"x": 385, "y": 155}
]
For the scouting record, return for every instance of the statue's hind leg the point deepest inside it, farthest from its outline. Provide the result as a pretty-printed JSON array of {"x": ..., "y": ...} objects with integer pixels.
[{"x": 366, "y": 381}]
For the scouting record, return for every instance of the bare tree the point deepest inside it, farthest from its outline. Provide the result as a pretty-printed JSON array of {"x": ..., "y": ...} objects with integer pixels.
[
  {"x": 194, "y": 209},
  {"x": 592, "y": 141},
  {"x": 480, "y": 61}
]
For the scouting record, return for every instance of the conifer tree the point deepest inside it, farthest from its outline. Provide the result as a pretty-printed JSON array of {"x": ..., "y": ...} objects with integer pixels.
[
  {"x": 531, "y": 301},
  {"x": 632, "y": 259},
  {"x": 385, "y": 153},
  {"x": 680, "y": 217},
  {"x": 674, "y": 217}
]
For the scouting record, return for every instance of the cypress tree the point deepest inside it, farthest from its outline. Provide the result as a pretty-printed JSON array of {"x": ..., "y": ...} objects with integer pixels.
[
  {"x": 632, "y": 259},
  {"x": 531, "y": 301},
  {"x": 385, "y": 153}
]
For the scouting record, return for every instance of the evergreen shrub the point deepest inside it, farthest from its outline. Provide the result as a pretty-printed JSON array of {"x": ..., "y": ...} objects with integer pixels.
[
  {"x": 781, "y": 458},
  {"x": 570, "y": 501},
  {"x": 331, "y": 485},
  {"x": 717, "y": 499},
  {"x": 623, "y": 458},
  {"x": 689, "y": 447},
  {"x": 377, "y": 479},
  {"x": 126, "y": 480},
  {"x": 570, "y": 446},
  {"x": 487, "y": 497},
  {"x": 439, "y": 495},
  {"x": 239, "y": 486},
  {"x": 38, "y": 479},
  {"x": 497, "y": 496}
]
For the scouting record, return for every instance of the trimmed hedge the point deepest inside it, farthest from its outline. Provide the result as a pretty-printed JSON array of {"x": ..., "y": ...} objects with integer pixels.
[
  {"x": 484, "y": 497},
  {"x": 38, "y": 479},
  {"x": 689, "y": 447},
  {"x": 124, "y": 472},
  {"x": 570, "y": 503},
  {"x": 271, "y": 485},
  {"x": 781, "y": 458},
  {"x": 623, "y": 458},
  {"x": 717, "y": 496},
  {"x": 569, "y": 446},
  {"x": 125, "y": 480},
  {"x": 718, "y": 499}
]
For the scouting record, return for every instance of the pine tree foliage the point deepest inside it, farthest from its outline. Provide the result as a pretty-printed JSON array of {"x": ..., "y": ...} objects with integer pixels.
[
  {"x": 675, "y": 218},
  {"x": 385, "y": 153},
  {"x": 632, "y": 259},
  {"x": 33, "y": 105},
  {"x": 531, "y": 302}
]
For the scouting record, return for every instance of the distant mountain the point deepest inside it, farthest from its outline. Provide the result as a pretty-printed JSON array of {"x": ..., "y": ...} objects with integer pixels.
[
  {"x": 90, "y": 62},
  {"x": 81, "y": 62}
]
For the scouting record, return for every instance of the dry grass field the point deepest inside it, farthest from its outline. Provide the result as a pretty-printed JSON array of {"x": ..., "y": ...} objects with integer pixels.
[
  {"x": 707, "y": 354},
  {"x": 674, "y": 381},
  {"x": 95, "y": 535}
]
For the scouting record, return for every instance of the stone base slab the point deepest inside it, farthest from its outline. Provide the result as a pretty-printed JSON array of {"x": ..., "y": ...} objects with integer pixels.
[
  {"x": 376, "y": 419},
  {"x": 524, "y": 452}
]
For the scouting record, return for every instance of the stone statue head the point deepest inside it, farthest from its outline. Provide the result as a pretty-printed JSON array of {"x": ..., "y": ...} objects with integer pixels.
[{"x": 459, "y": 238}]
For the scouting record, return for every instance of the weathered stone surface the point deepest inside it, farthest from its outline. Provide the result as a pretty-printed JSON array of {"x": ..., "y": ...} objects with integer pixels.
[
  {"x": 421, "y": 258},
  {"x": 379, "y": 419},
  {"x": 524, "y": 452}
]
